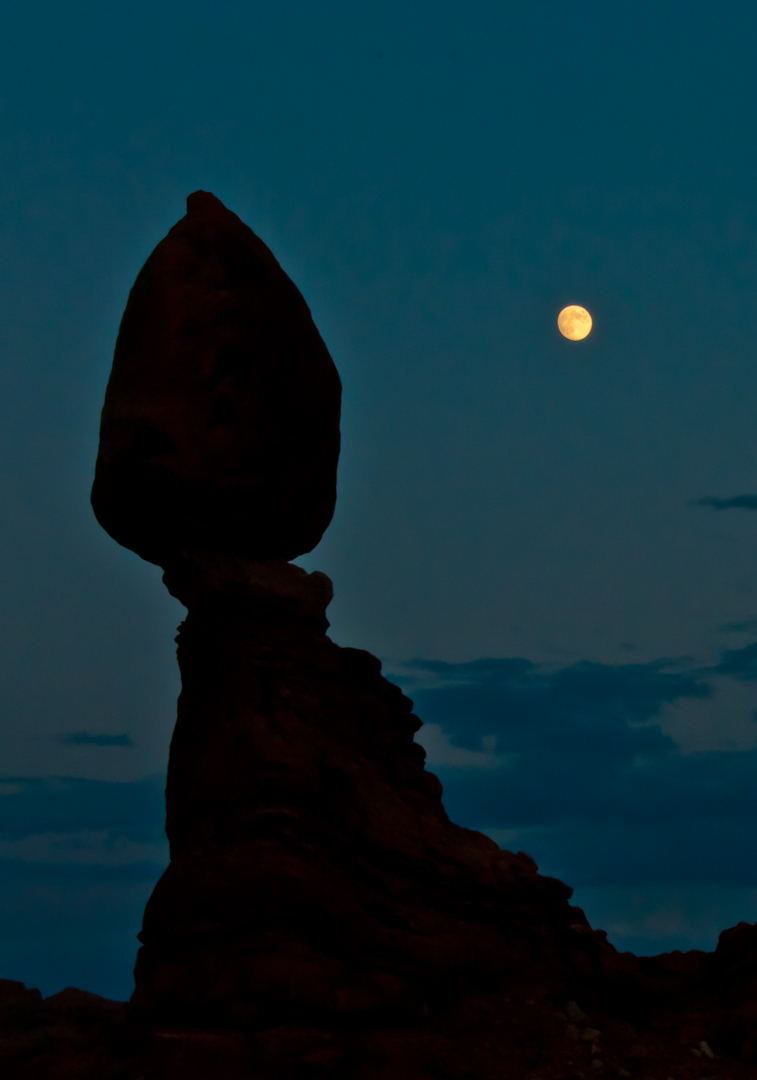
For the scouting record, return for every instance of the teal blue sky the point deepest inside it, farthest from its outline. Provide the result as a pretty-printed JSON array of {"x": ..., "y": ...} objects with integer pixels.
[{"x": 439, "y": 180}]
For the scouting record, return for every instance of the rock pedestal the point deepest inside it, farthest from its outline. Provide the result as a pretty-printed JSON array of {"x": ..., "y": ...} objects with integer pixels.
[{"x": 314, "y": 873}]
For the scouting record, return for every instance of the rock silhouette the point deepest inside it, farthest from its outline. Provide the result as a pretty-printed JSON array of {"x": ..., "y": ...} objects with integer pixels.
[
  {"x": 220, "y": 429},
  {"x": 321, "y": 915},
  {"x": 314, "y": 872}
]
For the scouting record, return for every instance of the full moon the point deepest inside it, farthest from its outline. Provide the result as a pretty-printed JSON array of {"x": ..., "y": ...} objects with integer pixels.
[{"x": 574, "y": 322}]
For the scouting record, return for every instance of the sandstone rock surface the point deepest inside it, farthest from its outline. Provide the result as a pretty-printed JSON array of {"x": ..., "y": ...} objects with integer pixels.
[{"x": 220, "y": 429}]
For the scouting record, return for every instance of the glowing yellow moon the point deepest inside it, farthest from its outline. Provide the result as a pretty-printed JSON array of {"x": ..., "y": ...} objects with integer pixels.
[{"x": 574, "y": 322}]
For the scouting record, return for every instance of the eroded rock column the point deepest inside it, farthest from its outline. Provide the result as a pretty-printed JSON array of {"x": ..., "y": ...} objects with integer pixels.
[{"x": 314, "y": 874}]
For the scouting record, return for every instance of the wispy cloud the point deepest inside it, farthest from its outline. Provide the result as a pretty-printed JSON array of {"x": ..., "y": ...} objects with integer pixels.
[
  {"x": 86, "y": 738},
  {"x": 590, "y": 784},
  {"x": 738, "y": 663},
  {"x": 59, "y": 804},
  {"x": 748, "y": 626},
  {"x": 738, "y": 502},
  {"x": 90, "y": 852}
]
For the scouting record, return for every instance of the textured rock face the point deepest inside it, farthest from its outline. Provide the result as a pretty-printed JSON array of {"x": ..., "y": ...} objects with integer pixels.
[{"x": 220, "y": 430}]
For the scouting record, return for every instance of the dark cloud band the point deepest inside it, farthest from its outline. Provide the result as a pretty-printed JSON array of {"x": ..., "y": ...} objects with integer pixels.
[
  {"x": 738, "y": 502},
  {"x": 85, "y": 738},
  {"x": 590, "y": 783}
]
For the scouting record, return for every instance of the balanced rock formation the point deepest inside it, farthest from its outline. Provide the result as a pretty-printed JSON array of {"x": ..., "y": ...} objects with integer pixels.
[
  {"x": 321, "y": 915},
  {"x": 220, "y": 429}
]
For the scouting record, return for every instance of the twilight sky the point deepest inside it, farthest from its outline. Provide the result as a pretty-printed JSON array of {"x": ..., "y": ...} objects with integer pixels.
[{"x": 549, "y": 544}]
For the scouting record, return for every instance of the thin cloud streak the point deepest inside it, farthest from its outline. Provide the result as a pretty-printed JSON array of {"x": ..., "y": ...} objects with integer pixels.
[
  {"x": 85, "y": 738},
  {"x": 738, "y": 502}
]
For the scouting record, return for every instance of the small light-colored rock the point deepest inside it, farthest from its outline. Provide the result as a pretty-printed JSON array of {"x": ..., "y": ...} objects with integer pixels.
[
  {"x": 590, "y": 1034},
  {"x": 575, "y": 1012},
  {"x": 705, "y": 1048},
  {"x": 624, "y": 1074}
]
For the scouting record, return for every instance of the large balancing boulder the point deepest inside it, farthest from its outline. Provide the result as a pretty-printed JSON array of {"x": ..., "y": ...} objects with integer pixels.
[{"x": 220, "y": 429}]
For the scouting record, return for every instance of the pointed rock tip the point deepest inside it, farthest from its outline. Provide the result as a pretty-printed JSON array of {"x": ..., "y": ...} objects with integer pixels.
[{"x": 205, "y": 202}]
